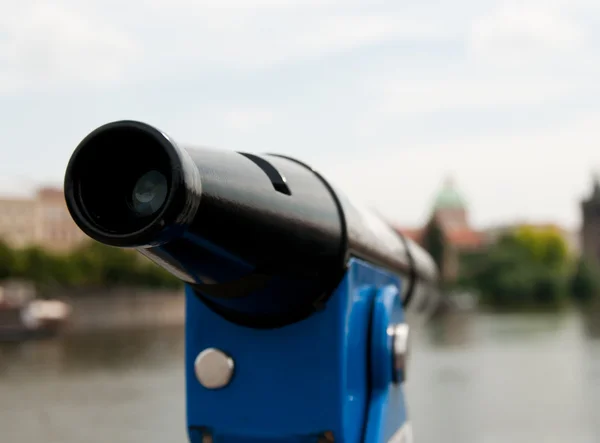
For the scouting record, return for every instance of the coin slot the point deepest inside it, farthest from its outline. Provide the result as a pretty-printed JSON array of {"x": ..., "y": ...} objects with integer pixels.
[{"x": 277, "y": 180}]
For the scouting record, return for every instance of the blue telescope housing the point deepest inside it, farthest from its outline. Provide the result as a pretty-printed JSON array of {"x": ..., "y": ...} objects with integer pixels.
[{"x": 298, "y": 302}]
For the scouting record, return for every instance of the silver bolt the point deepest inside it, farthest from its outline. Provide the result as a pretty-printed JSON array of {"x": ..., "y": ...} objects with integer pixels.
[
  {"x": 214, "y": 368},
  {"x": 400, "y": 348}
]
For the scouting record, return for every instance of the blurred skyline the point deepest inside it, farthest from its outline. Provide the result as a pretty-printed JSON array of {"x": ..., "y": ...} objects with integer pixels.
[{"x": 387, "y": 99}]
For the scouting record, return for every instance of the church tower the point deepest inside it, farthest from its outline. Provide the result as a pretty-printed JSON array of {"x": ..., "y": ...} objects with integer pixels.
[
  {"x": 450, "y": 209},
  {"x": 590, "y": 228},
  {"x": 451, "y": 214}
]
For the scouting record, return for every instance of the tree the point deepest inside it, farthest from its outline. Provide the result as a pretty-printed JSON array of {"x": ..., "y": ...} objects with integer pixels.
[
  {"x": 546, "y": 246},
  {"x": 524, "y": 268},
  {"x": 434, "y": 242},
  {"x": 7, "y": 261},
  {"x": 91, "y": 265},
  {"x": 35, "y": 264},
  {"x": 98, "y": 264}
]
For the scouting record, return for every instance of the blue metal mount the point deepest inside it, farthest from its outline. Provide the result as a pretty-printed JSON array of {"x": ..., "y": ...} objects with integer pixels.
[{"x": 328, "y": 378}]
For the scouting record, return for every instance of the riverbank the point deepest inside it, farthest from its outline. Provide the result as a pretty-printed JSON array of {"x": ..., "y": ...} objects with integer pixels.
[{"x": 123, "y": 309}]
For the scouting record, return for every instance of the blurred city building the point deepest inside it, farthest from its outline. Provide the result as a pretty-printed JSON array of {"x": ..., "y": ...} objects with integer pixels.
[
  {"x": 54, "y": 226},
  {"x": 42, "y": 220},
  {"x": 16, "y": 221},
  {"x": 590, "y": 226},
  {"x": 450, "y": 212}
]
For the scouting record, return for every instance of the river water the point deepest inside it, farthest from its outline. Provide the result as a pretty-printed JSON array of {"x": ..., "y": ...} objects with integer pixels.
[{"x": 472, "y": 379}]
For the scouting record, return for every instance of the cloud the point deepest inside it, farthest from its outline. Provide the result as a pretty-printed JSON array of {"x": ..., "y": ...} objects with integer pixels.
[
  {"x": 515, "y": 56},
  {"x": 459, "y": 93},
  {"x": 526, "y": 31},
  {"x": 69, "y": 43},
  {"x": 46, "y": 44},
  {"x": 248, "y": 40},
  {"x": 246, "y": 119},
  {"x": 18, "y": 187},
  {"x": 243, "y": 5},
  {"x": 533, "y": 175},
  {"x": 367, "y": 88},
  {"x": 337, "y": 33}
]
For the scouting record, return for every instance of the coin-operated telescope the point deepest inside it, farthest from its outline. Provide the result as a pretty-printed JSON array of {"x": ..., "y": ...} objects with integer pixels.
[{"x": 297, "y": 300}]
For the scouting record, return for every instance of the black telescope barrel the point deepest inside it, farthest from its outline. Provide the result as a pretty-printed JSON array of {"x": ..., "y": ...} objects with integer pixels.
[{"x": 223, "y": 219}]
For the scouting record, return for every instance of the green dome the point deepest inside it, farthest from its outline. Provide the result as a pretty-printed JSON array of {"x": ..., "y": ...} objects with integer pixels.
[{"x": 449, "y": 197}]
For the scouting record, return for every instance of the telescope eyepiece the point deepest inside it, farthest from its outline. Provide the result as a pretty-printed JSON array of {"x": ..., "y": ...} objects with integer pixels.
[
  {"x": 149, "y": 193},
  {"x": 125, "y": 184}
]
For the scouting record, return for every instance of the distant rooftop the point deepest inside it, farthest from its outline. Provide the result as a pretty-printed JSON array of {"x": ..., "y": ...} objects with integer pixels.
[
  {"x": 449, "y": 197},
  {"x": 48, "y": 192}
]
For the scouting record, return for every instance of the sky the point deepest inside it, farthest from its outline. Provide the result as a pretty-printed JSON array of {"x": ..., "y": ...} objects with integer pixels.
[{"x": 386, "y": 98}]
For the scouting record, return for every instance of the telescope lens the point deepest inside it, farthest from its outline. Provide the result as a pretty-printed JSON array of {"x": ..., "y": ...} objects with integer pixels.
[{"x": 149, "y": 193}]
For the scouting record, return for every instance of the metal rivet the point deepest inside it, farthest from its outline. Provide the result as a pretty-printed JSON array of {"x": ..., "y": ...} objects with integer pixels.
[
  {"x": 214, "y": 368},
  {"x": 400, "y": 348}
]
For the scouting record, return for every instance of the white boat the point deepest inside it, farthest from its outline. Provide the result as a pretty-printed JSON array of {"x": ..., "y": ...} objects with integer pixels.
[{"x": 22, "y": 316}]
